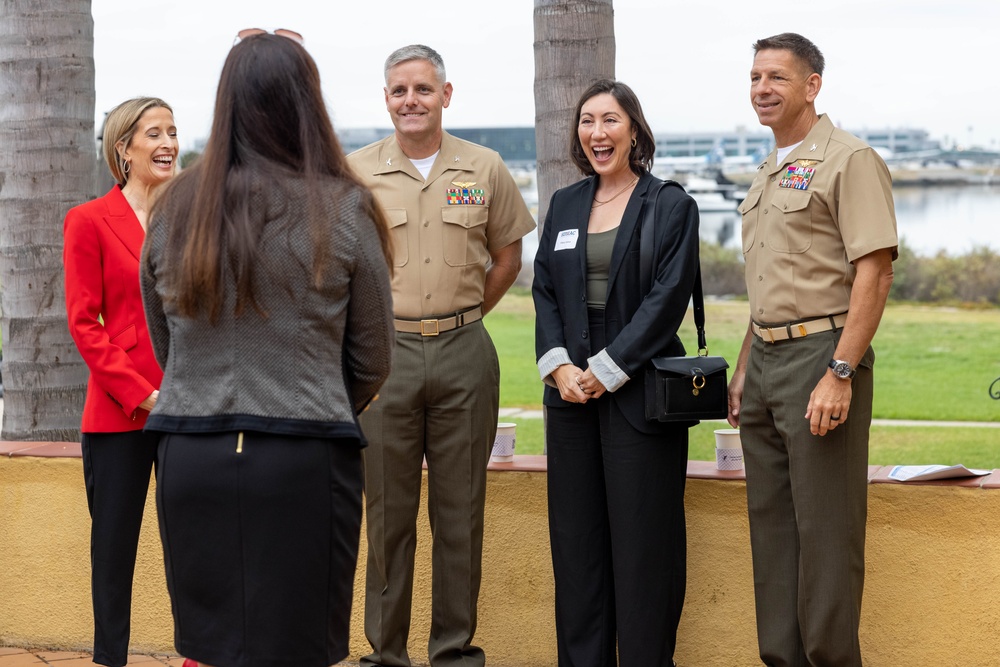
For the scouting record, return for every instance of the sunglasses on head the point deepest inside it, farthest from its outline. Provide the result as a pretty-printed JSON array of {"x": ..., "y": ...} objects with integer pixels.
[{"x": 281, "y": 32}]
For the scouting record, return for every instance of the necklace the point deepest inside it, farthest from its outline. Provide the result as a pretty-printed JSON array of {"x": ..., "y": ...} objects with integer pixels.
[{"x": 598, "y": 202}]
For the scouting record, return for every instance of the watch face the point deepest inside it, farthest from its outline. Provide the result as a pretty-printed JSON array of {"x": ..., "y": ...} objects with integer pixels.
[{"x": 842, "y": 369}]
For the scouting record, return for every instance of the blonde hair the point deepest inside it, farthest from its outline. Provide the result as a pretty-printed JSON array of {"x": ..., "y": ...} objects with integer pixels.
[{"x": 120, "y": 126}]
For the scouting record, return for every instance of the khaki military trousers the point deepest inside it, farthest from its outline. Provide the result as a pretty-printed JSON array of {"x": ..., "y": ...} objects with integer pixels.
[{"x": 440, "y": 402}]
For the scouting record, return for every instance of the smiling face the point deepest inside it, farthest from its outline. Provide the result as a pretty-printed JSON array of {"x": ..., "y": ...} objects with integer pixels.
[
  {"x": 152, "y": 153},
  {"x": 782, "y": 92},
  {"x": 414, "y": 98},
  {"x": 606, "y": 134}
]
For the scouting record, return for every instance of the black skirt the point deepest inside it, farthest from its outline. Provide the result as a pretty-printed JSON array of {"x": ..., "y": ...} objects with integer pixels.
[{"x": 260, "y": 539}]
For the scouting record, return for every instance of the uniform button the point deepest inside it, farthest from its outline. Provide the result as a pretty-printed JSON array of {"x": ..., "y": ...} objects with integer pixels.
[
  {"x": 585, "y": 333},
  {"x": 426, "y": 223},
  {"x": 759, "y": 278},
  {"x": 772, "y": 179},
  {"x": 428, "y": 296},
  {"x": 761, "y": 244},
  {"x": 427, "y": 260},
  {"x": 760, "y": 311},
  {"x": 765, "y": 211}
]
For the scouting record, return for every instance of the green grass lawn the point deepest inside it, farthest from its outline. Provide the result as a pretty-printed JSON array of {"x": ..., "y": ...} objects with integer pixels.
[{"x": 931, "y": 364}]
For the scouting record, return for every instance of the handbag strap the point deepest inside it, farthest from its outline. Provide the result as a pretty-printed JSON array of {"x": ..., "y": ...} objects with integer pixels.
[{"x": 647, "y": 255}]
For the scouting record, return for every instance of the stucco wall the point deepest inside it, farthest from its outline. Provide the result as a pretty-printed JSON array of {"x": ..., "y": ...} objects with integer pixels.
[{"x": 933, "y": 561}]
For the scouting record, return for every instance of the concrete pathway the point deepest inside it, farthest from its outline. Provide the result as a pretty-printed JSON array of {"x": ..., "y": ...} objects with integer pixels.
[
  {"x": 518, "y": 413},
  {"x": 12, "y": 656},
  {"x": 22, "y": 657}
]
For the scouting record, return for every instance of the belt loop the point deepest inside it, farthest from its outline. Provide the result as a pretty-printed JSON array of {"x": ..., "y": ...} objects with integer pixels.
[
  {"x": 788, "y": 329},
  {"x": 459, "y": 319},
  {"x": 833, "y": 323}
]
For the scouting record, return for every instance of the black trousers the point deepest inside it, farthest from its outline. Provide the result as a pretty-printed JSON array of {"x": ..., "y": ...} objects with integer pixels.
[
  {"x": 116, "y": 469},
  {"x": 618, "y": 535}
]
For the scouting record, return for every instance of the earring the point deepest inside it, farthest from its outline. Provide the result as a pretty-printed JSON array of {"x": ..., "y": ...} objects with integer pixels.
[
  {"x": 633, "y": 142},
  {"x": 126, "y": 165}
]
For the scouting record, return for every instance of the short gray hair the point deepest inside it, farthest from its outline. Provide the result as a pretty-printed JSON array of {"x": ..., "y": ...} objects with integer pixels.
[{"x": 416, "y": 52}]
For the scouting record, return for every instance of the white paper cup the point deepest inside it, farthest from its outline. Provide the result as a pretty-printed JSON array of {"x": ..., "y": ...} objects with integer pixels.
[
  {"x": 503, "y": 445},
  {"x": 728, "y": 449}
]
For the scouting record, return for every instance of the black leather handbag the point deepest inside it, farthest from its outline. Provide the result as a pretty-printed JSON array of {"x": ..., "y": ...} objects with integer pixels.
[{"x": 680, "y": 389}]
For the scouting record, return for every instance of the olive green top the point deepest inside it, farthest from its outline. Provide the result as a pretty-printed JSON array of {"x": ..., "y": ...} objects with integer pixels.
[{"x": 599, "y": 247}]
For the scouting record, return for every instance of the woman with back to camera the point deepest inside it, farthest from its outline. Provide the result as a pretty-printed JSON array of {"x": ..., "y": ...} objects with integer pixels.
[
  {"x": 615, "y": 480},
  {"x": 102, "y": 244},
  {"x": 266, "y": 284}
]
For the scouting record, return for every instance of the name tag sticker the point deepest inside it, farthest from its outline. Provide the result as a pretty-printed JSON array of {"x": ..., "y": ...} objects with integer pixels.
[{"x": 567, "y": 239}]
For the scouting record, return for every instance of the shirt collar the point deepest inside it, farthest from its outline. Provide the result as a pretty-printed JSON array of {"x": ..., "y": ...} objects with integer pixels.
[
  {"x": 813, "y": 147},
  {"x": 453, "y": 155}
]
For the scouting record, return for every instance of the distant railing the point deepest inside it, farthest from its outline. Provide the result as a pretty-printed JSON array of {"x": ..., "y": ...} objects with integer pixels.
[{"x": 995, "y": 390}]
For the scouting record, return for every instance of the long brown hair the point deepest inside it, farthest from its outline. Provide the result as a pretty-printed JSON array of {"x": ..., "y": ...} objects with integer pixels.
[
  {"x": 640, "y": 159},
  {"x": 270, "y": 119}
]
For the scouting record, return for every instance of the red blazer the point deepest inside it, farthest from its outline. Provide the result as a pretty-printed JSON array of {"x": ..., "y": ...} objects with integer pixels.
[{"x": 102, "y": 243}]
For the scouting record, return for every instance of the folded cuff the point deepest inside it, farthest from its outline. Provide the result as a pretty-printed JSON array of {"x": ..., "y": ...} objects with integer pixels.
[
  {"x": 551, "y": 360},
  {"x": 607, "y": 371}
]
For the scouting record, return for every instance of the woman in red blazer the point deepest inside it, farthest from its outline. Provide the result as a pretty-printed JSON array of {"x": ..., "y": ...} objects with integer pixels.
[{"x": 102, "y": 245}]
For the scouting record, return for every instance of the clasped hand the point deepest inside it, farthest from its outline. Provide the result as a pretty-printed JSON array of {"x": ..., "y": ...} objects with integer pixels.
[{"x": 575, "y": 385}]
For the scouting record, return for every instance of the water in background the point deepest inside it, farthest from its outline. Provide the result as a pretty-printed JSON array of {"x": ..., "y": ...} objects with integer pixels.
[{"x": 929, "y": 219}]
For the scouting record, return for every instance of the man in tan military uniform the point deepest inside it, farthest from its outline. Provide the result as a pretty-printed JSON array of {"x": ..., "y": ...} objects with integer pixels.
[
  {"x": 457, "y": 220},
  {"x": 819, "y": 238}
]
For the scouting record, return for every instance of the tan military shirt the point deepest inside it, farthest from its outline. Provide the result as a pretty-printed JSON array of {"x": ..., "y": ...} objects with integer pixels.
[
  {"x": 444, "y": 228},
  {"x": 807, "y": 219}
]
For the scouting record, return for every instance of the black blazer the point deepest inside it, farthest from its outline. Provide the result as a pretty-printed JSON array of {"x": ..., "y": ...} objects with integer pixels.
[{"x": 637, "y": 326}]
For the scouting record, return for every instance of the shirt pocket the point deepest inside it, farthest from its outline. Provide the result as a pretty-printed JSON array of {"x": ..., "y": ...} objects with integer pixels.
[
  {"x": 464, "y": 234},
  {"x": 397, "y": 230},
  {"x": 792, "y": 231},
  {"x": 749, "y": 210}
]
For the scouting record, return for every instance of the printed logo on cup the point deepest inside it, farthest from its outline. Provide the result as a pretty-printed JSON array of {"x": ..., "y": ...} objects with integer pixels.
[
  {"x": 728, "y": 449},
  {"x": 503, "y": 445}
]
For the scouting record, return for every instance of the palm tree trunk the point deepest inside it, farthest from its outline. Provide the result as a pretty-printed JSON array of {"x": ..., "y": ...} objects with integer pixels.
[
  {"x": 47, "y": 165},
  {"x": 574, "y": 46}
]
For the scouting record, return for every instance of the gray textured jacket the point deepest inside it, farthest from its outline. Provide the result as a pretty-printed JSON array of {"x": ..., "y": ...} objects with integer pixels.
[{"x": 315, "y": 360}]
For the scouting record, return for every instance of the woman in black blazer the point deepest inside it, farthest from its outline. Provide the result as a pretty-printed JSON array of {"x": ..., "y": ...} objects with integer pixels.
[{"x": 615, "y": 480}]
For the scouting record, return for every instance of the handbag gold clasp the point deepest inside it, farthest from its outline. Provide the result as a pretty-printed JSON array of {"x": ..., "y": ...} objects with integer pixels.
[{"x": 694, "y": 383}]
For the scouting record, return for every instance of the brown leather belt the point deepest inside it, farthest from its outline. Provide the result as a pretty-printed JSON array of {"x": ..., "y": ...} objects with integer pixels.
[
  {"x": 780, "y": 332},
  {"x": 433, "y": 327}
]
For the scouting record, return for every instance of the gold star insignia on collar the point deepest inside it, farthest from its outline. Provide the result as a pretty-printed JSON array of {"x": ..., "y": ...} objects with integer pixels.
[{"x": 462, "y": 184}]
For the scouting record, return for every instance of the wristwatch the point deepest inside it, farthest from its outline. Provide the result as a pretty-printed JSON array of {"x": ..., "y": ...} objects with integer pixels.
[{"x": 842, "y": 369}]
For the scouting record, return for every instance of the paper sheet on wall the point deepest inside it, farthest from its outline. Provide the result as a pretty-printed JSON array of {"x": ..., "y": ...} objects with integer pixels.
[{"x": 924, "y": 473}]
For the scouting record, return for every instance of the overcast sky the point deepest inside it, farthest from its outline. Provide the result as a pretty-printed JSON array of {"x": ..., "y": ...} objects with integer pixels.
[{"x": 929, "y": 64}]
